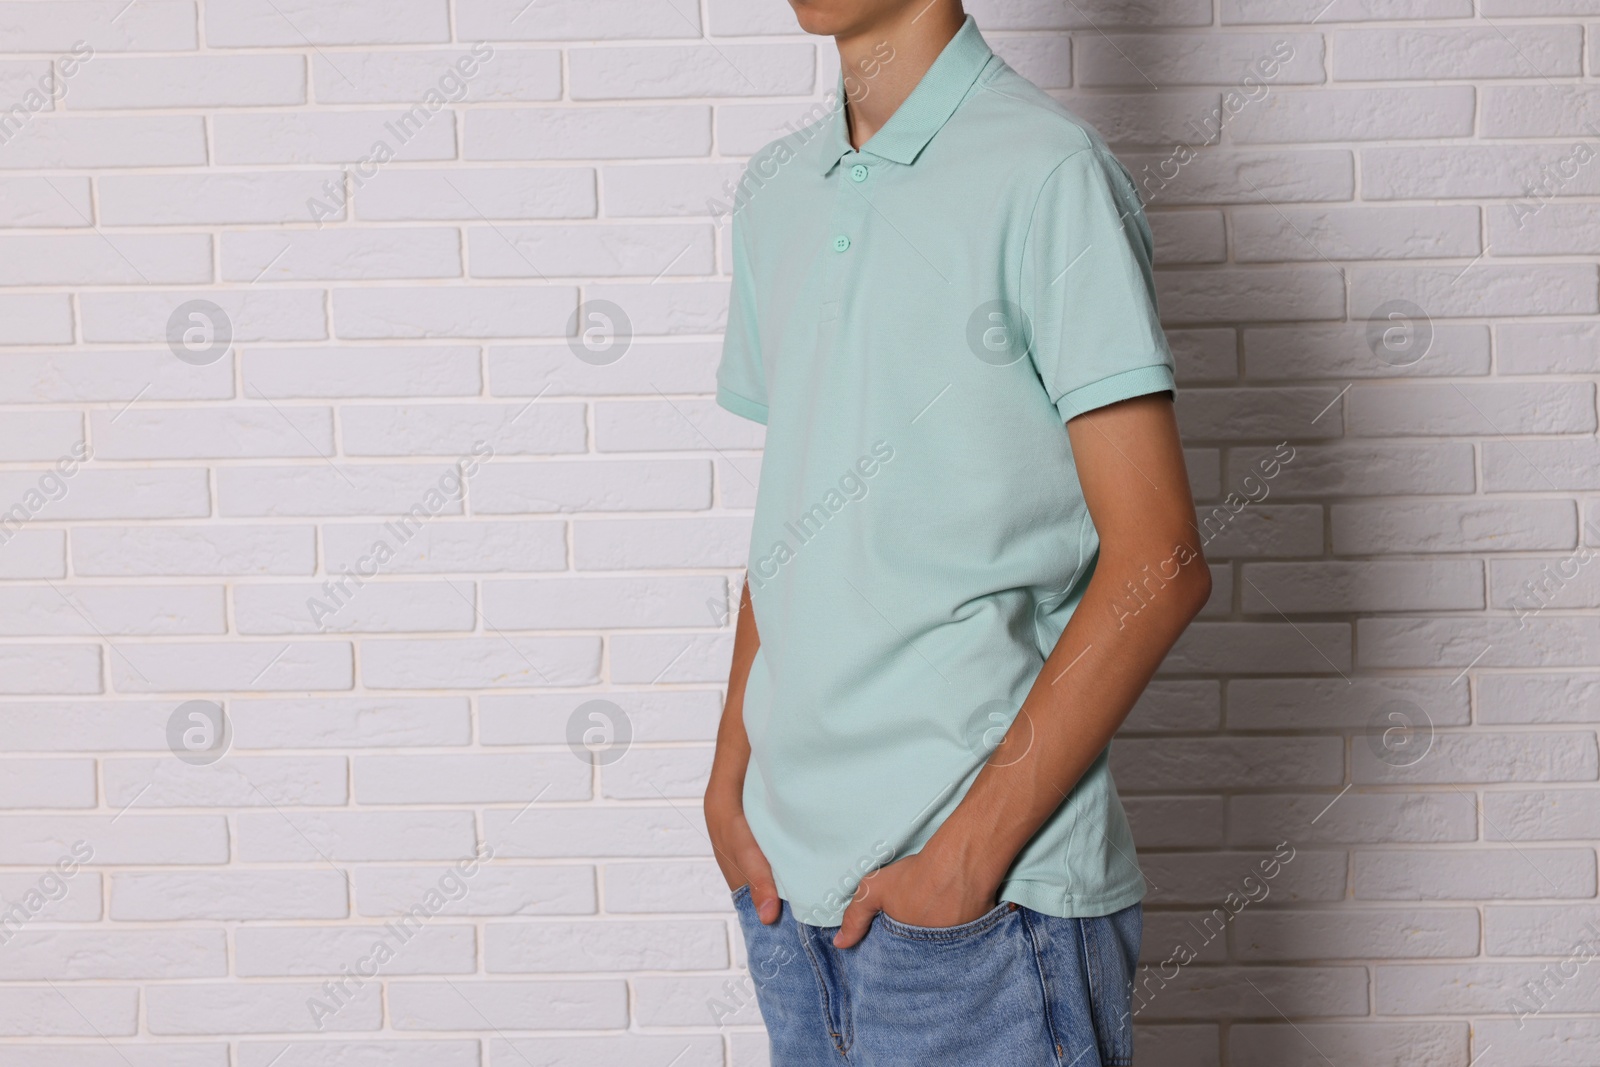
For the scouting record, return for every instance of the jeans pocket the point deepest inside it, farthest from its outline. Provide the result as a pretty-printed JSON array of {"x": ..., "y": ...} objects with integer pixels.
[
  {"x": 1111, "y": 943},
  {"x": 983, "y": 923}
]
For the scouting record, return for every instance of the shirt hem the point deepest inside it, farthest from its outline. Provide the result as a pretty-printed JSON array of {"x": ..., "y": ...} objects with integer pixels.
[
  {"x": 1050, "y": 899},
  {"x": 1125, "y": 385},
  {"x": 741, "y": 406}
]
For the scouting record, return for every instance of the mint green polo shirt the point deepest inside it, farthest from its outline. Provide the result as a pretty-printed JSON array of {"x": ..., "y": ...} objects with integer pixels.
[{"x": 914, "y": 323}]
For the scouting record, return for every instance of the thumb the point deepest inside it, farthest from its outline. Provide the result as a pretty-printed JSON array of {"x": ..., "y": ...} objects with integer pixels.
[{"x": 857, "y": 917}]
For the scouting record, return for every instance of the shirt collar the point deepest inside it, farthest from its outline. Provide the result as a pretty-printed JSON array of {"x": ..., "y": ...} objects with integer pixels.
[{"x": 921, "y": 114}]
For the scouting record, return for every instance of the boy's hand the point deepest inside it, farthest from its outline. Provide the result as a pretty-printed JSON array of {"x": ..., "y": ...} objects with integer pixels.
[
  {"x": 739, "y": 857},
  {"x": 929, "y": 888}
]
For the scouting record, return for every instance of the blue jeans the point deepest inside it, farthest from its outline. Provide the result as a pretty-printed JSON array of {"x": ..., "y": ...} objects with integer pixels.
[{"x": 1014, "y": 988}]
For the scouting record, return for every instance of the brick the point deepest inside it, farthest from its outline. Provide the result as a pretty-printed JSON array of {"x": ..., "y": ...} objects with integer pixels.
[
  {"x": 374, "y": 607},
  {"x": 566, "y": 20},
  {"x": 369, "y": 253},
  {"x": 72, "y": 955},
  {"x": 1564, "y": 582},
  {"x": 597, "y": 1004},
  {"x": 1534, "y": 1042},
  {"x": 1316, "y": 703},
  {"x": 1410, "y": 933},
  {"x": 90, "y": 610},
  {"x": 687, "y": 425},
  {"x": 256, "y": 666},
  {"x": 308, "y": 836},
  {"x": 1518, "y": 466},
  {"x": 1528, "y": 172},
  {"x": 1550, "y": 814},
  {"x": 1536, "y": 929},
  {"x": 506, "y": 75},
  {"x": 93, "y": 259},
  {"x": 495, "y": 311},
  {"x": 648, "y": 367},
  {"x": 224, "y": 433},
  {"x": 235, "y": 23},
  {"x": 1298, "y": 588},
  {"x": 1471, "y": 408},
  {"x": 281, "y": 951},
  {"x": 147, "y": 840},
  {"x": 1136, "y": 61},
  {"x": 1161, "y": 766},
  {"x": 209, "y": 199},
  {"x": 610, "y": 945},
  {"x": 1261, "y": 647},
  {"x": 34, "y": 554},
  {"x": 330, "y": 489},
  {"x": 1463, "y": 874},
  {"x": 1251, "y": 295},
  {"x": 364, "y": 371},
  {"x": 54, "y": 669},
  {"x": 601, "y": 603},
  {"x": 1466, "y": 526},
  {"x": 478, "y": 193},
  {"x": 646, "y": 659},
  {"x": 631, "y": 832},
  {"x": 349, "y": 723},
  {"x": 1539, "y": 110},
  {"x": 1550, "y": 697},
  {"x": 497, "y": 890},
  {"x": 1378, "y": 1044},
  {"x": 1340, "y": 817},
  {"x": 1341, "y": 351},
  {"x": 40, "y": 436},
  {"x": 1189, "y": 237},
  {"x": 35, "y": 783},
  {"x": 1314, "y": 11},
  {"x": 308, "y": 136},
  {"x": 653, "y": 716},
  {"x": 1291, "y": 234},
  {"x": 1313, "y": 115},
  {"x": 1461, "y": 988},
  {"x": 190, "y": 81},
  {"x": 445, "y": 548},
  {"x": 599, "y": 485},
  {"x": 1486, "y": 757},
  {"x": 1478, "y": 290},
  {"x": 1546, "y": 347},
  {"x": 476, "y": 663},
  {"x": 1357, "y": 469},
  {"x": 102, "y": 1054},
  {"x": 407, "y": 1053},
  {"x": 257, "y": 1008},
  {"x": 39, "y": 202},
  {"x": 659, "y": 132},
  {"x": 1453, "y": 53},
  {"x": 1207, "y": 992},
  {"x": 81, "y": 1011},
  {"x": 34, "y": 319},
  {"x": 162, "y": 25},
  {"x": 73, "y": 141},
  {"x": 157, "y": 896},
  {"x": 199, "y": 551},
  {"x": 1488, "y": 642},
  {"x": 471, "y": 779},
  {"x": 673, "y": 886},
  {"x": 1168, "y": 822},
  {"x": 237, "y": 782},
  {"x": 679, "y": 71},
  {"x": 454, "y": 429}
]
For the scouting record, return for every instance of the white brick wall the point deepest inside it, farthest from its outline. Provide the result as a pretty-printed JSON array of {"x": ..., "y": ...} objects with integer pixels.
[{"x": 181, "y": 913}]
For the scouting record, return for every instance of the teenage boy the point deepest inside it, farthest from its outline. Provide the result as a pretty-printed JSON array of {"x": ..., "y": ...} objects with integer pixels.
[{"x": 973, "y": 545}]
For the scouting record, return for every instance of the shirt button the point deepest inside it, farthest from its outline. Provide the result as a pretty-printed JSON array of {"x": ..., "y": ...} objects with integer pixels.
[
  {"x": 840, "y": 243},
  {"x": 858, "y": 173}
]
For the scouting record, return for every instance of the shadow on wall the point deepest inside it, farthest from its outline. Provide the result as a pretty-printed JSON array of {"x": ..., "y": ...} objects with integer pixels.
[{"x": 1252, "y": 768}]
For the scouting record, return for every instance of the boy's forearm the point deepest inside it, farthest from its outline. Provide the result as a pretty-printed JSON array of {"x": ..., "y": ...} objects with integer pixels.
[
  {"x": 726, "y": 782},
  {"x": 1089, "y": 683}
]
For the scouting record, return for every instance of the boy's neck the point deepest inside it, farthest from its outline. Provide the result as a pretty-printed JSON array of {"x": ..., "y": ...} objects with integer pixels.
[{"x": 874, "y": 87}]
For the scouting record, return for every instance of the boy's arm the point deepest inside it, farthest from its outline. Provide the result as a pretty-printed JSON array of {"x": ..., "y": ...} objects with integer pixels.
[
  {"x": 1130, "y": 464},
  {"x": 738, "y": 855}
]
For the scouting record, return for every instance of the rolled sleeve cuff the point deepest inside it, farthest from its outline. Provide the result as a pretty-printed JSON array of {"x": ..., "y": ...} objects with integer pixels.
[
  {"x": 1141, "y": 381},
  {"x": 741, "y": 406}
]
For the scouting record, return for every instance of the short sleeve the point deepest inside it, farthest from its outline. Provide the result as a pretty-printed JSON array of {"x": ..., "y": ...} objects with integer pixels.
[
  {"x": 1088, "y": 290},
  {"x": 741, "y": 379}
]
